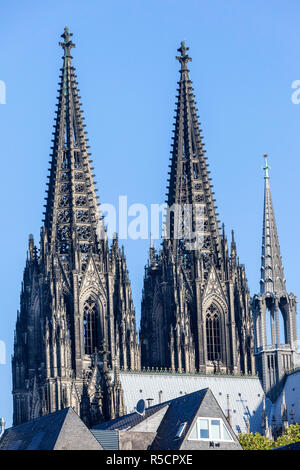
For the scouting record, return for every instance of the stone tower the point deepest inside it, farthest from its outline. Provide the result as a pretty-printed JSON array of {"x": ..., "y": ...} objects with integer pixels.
[
  {"x": 275, "y": 340},
  {"x": 76, "y": 323},
  {"x": 196, "y": 313}
]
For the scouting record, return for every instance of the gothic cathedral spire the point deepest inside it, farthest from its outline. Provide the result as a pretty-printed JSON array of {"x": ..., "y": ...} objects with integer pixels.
[
  {"x": 189, "y": 184},
  {"x": 274, "y": 309},
  {"x": 71, "y": 217},
  {"x": 195, "y": 308},
  {"x": 77, "y": 321}
]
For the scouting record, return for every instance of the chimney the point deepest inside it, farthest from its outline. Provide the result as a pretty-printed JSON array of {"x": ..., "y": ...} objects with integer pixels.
[{"x": 229, "y": 415}]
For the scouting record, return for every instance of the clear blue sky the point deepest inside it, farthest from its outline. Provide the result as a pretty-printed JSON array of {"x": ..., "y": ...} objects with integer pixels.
[{"x": 245, "y": 57}]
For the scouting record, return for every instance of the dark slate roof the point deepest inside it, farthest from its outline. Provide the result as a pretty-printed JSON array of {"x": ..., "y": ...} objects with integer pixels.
[
  {"x": 294, "y": 446},
  {"x": 181, "y": 410},
  {"x": 62, "y": 430},
  {"x": 245, "y": 393},
  {"x": 128, "y": 421},
  {"x": 40, "y": 433},
  {"x": 109, "y": 439}
]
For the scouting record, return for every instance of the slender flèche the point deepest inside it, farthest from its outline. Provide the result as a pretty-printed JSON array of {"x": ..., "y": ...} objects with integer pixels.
[{"x": 274, "y": 309}]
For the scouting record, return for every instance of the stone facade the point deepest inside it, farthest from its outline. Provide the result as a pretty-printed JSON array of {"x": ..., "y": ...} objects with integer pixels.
[
  {"x": 196, "y": 313},
  {"x": 76, "y": 318},
  {"x": 76, "y": 328}
]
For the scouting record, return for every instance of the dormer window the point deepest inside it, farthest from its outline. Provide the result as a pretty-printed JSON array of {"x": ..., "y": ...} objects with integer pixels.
[{"x": 210, "y": 429}]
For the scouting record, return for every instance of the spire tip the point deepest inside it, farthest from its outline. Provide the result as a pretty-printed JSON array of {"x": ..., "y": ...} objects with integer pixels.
[
  {"x": 266, "y": 168},
  {"x": 184, "y": 58},
  {"x": 67, "y": 44}
]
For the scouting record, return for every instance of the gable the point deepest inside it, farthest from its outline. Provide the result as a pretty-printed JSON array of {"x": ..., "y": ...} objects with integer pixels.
[
  {"x": 37, "y": 434},
  {"x": 91, "y": 280},
  {"x": 213, "y": 290},
  {"x": 181, "y": 410},
  {"x": 210, "y": 428},
  {"x": 74, "y": 435}
]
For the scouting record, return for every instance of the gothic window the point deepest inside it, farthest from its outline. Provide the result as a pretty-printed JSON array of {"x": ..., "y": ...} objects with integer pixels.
[
  {"x": 91, "y": 326},
  {"x": 64, "y": 176},
  {"x": 213, "y": 334},
  {"x": 199, "y": 198},
  {"x": 196, "y": 171},
  {"x": 84, "y": 247},
  {"x": 184, "y": 171},
  {"x": 64, "y": 216},
  {"x": 80, "y": 201},
  {"x": 64, "y": 248},
  {"x": 63, "y": 201},
  {"x": 77, "y": 159},
  {"x": 206, "y": 243},
  {"x": 84, "y": 232},
  {"x": 79, "y": 188},
  {"x": 64, "y": 188},
  {"x": 63, "y": 233},
  {"x": 65, "y": 160}
]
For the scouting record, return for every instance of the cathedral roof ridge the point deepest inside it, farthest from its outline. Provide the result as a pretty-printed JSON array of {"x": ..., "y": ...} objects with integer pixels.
[{"x": 161, "y": 371}]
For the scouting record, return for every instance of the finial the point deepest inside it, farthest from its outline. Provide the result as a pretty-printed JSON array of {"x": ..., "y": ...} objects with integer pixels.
[
  {"x": 67, "y": 44},
  {"x": 184, "y": 58},
  {"x": 151, "y": 240},
  {"x": 266, "y": 168},
  {"x": 233, "y": 248}
]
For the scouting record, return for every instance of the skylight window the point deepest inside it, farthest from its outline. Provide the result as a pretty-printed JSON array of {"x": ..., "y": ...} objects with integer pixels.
[
  {"x": 180, "y": 430},
  {"x": 210, "y": 429}
]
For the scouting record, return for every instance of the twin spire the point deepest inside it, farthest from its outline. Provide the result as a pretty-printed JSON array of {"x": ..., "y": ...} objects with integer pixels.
[
  {"x": 71, "y": 217},
  {"x": 189, "y": 182}
]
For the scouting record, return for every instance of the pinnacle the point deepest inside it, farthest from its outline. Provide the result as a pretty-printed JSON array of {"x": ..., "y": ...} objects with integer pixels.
[
  {"x": 71, "y": 198},
  {"x": 189, "y": 174}
]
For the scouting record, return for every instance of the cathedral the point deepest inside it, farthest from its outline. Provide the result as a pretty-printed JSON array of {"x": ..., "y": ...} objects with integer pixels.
[{"x": 76, "y": 339}]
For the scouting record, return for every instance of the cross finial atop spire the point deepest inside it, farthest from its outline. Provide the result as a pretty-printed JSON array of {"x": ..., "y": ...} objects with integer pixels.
[
  {"x": 184, "y": 58},
  {"x": 266, "y": 168},
  {"x": 67, "y": 44}
]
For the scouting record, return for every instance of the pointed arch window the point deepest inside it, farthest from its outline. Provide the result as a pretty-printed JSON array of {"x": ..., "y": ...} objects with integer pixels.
[
  {"x": 91, "y": 326},
  {"x": 213, "y": 334}
]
